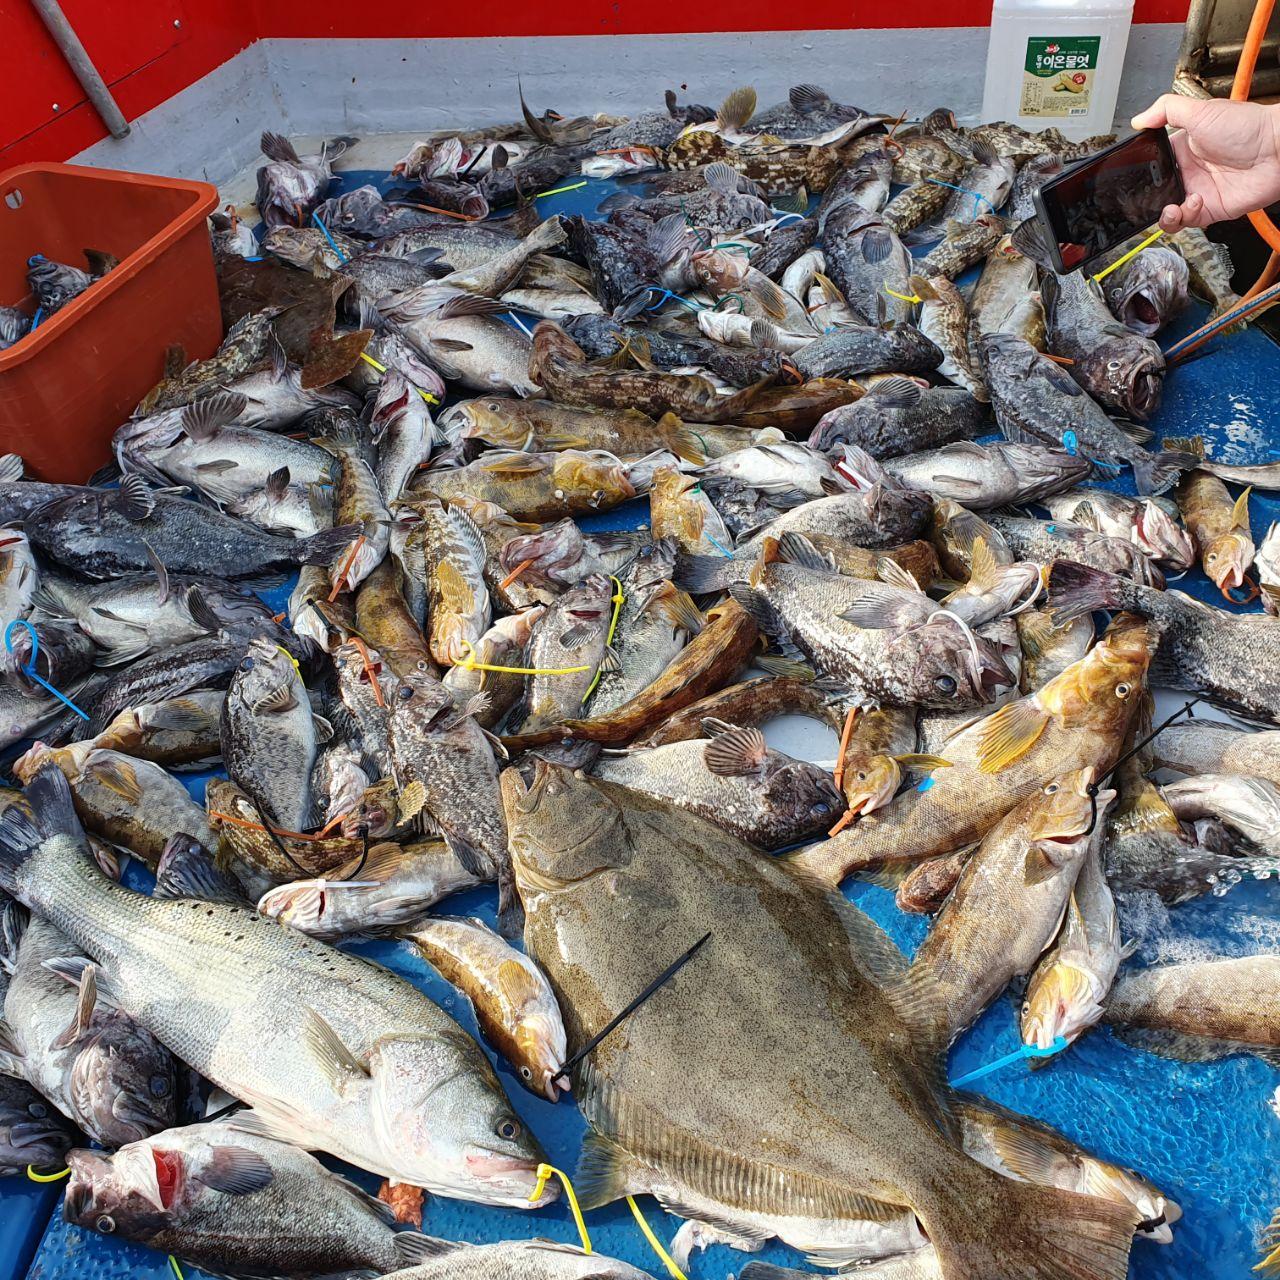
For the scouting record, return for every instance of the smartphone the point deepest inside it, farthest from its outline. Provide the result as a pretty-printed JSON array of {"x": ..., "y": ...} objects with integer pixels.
[{"x": 1101, "y": 202}]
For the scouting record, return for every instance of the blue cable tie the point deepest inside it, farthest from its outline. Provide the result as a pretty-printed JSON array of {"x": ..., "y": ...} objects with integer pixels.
[
  {"x": 315, "y": 217},
  {"x": 717, "y": 546},
  {"x": 259, "y": 258},
  {"x": 978, "y": 197},
  {"x": 35, "y": 319},
  {"x": 1071, "y": 443},
  {"x": 30, "y": 669},
  {"x": 665, "y": 295},
  {"x": 1024, "y": 1051},
  {"x": 924, "y": 784}
]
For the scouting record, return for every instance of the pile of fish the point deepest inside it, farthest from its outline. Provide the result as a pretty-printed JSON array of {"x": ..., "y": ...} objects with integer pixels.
[
  {"x": 417, "y": 412},
  {"x": 53, "y": 285}
]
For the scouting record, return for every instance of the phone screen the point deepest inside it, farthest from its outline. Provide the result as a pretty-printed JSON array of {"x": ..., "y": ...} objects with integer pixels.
[{"x": 1104, "y": 200}]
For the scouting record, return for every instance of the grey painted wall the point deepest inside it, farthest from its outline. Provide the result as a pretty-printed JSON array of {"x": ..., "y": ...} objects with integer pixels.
[{"x": 210, "y": 130}]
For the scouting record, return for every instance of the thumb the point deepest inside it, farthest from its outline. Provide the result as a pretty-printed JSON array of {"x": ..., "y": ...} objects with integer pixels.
[{"x": 1168, "y": 109}]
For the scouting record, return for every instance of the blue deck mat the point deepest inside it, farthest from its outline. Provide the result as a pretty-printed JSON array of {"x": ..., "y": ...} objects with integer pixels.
[{"x": 1208, "y": 1135}]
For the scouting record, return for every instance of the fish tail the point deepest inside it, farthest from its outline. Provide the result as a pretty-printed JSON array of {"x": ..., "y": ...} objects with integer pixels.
[
  {"x": 510, "y": 907},
  {"x": 1018, "y": 1231},
  {"x": 53, "y": 813},
  {"x": 322, "y": 547},
  {"x": 701, "y": 575},
  {"x": 1157, "y": 471},
  {"x": 1076, "y": 590}
]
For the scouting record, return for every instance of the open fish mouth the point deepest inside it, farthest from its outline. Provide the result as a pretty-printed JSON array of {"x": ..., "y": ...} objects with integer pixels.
[
  {"x": 1142, "y": 314},
  {"x": 510, "y": 1180}
]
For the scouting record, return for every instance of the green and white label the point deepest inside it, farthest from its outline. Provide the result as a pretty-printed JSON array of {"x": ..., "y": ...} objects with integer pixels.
[{"x": 1058, "y": 76}]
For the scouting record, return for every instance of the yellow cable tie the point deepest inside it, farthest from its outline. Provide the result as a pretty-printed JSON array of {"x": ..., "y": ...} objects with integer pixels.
[
  {"x": 47, "y": 1177},
  {"x": 469, "y": 663},
  {"x": 1119, "y": 262},
  {"x": 905, "y": 297},
  {"x": 654, "y": 1243},
  {"x": 382, "y": 368},
  {"x": 559, "y": 191},
  {"x": 544, "y": 1172},
  {"x": 292, "y": 659},
  {"x": 177, "y": 1270},
  {"x": 617, "y": 598}
]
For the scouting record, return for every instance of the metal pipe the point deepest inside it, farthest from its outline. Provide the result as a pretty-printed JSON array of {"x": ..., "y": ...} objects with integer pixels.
[{"x": 94, "y": 85}]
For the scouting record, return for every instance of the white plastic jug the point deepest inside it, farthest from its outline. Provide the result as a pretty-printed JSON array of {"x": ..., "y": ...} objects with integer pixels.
[{"x": 1056, "y": 63}]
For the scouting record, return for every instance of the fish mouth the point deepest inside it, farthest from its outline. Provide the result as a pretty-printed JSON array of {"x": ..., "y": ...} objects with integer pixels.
[
  {"x": 1141, "y": 314},
  {"x": 1146, "y": 387},
  {"x": 509, "y": 1180}
]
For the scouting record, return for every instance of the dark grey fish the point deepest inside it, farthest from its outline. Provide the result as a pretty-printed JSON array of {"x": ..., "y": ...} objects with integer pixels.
[
  {"x": 1035, "y": 399},
  {"x": 808, "y": 111},
  {"x": 291, "y": 186},
  {"x": 14, "y": 325},
  {"x": 1045, "y": 541},
  {"x": 783, "y": 246},
  {"x": 538, "y": 171},
  {"x": 1122, "y": 370},
  {"x": 865, "y": 259},
  {"x": 33, "y": 1135},
  {"x": 102, "y": 533},
  {"x": 1031, "y": 177},
  {"x": 619, "y": 261},
  {"x": 850, "y": 351},
  {"x": 897, "y": 416}
]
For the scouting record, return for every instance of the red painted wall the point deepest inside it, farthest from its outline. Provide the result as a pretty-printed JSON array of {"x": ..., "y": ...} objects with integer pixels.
[{"x": 148, "y": 50}]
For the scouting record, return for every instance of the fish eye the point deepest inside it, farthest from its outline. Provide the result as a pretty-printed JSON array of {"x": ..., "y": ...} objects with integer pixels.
[
  {"x": 1052, "y": 789},
  {"x": 820, "y": 808},
  {"x": 862, "y": 775},
  {"x": 106, "y": 1224},
  {"x": 37, "y": 1110},
  {"x": 159, "y": 1086},
  {"x": 492, "y": 407},
  {"x": 406, "y": 692},
  {"x": 1113, "y": 365},
  {"x": 1211, "y": 557},
  {"x": 1122, "y": 690},
  {"x": 526, "y": 1073},
  {"x": 246, "y": 665},
  {"x": 945, "y": 684},
  {"x": 509, "y": 1129}
]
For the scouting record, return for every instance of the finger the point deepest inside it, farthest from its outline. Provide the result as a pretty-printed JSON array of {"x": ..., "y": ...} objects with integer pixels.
[
  {"x": 1170, "y": 109},
  {"x": 1152, "y": 118},
  {"x": 1171, "y": 218},
  {"x": 1194, "y": 212}
]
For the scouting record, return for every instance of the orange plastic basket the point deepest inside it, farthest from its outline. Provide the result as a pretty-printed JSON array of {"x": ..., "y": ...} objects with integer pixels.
[{"x": 66, "y": 387}]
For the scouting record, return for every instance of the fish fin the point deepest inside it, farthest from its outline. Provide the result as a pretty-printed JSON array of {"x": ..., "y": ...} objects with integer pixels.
[
  {"x": 235, "y": 1171},
  {"x": 880, "y": 607},
  {"x": 86, "y": 999},
  {"x": 274, "y": 701},
  {"x": 202, "y": 419},
  {"x": 134, "y": 499},
  {"x": 1009, "y": 734},
  {"x": 1035, "y": 630},
  {"x": 11, "y": 468},
  {"x": 472, "y": 860},
  {"x": 11, "y": 1054},
  {"x": 796, "y": 201},
  {"x": 278, "y": 148},
  {"x": 769, "y": 1271},
  {"x": 772, "y": 297},
  {"x": 322, "y": 547},
  {"x": 766, "y": 617},
  {"x": 1182, "y": 1048},
  {"x": 201, "y": 611},
  {"x": 983, "y": 570},
  {"x": 1186, "y": 444},
  {"x": 734, "y": 752},
  {"x": 922, "y": 762},
  {"x": 517, "y": 984},
  {"x": 604, "y": 1172},
  {"x": 410, "y": 801},
  {"x": 1039, "y": 866},
  {"x": 765, "y": 335},
  {"x": 737, "y": 108},
  {"x": 876, "y": 245},
  {"x": 676, "y": 606},
  {"x": 897, "y": 392},
  {"x": 413, "y": 1248},
  {"x": 44, "y": 600},
  {"x": 610, "y": 663},
  {"x": 795, "y": 548},
  {"x": 336, "y": 1062},
  {"x": 1134, "y": 430},
  {"x": 1158, "y": 470},
  {"x": 469, "y": 304},
  {"x": 514, "y": 464},
  {"x": 923, "y": 288},
  {"x": 323, "y": 729},
  {"x": 117, "y": 775},
  {"x": 776, "y": 666},
  {"x": 832, "y": 295},
  {"x": 456, "y": 593},
  {"x": 669, "y": 238},
  {"x": 187, "y": 870},
  {"x": 1240, "y": 511},
  {"x": 892, "y": 574},
  {"x": 1076, "y": 590},
  {"x": 574, "y": 637},
  {"x": 723, "y": 177},
  {"x": 1033, "y": 1232},
  {"x": 808, "y": 98},
  {"x": 1028, "y": 239},
  {"x": 277, "y": 484},
  {"x": 702, "y": 575}
]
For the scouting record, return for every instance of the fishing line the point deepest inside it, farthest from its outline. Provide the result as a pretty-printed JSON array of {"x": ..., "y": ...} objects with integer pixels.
[
  {"x": 30, "y": 669},
  {"x": 660, "y": 981},
  {"x": 1094, "y": 787}
]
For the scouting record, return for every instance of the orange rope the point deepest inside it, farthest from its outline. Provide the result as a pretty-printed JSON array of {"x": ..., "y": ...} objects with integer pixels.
[
  {"x": 1058, "y": 359},
  {"x": 341, "y": 580},
  {"x": 514, "y": 574},
  {"x": 362, "y": 649},
  {"x": 845, "y": 735},
  {"x": 257, "y": 826},
  {"x": 847, "y": 817},
  {"x": 447, "y": 213},
  {"x": 1240, "y": 87},
  {"x": 332, "y": 823},
  {"x": 1269, "y": 275}
]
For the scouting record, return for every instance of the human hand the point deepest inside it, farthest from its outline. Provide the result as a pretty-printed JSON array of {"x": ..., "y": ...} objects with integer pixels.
[{"x": 1229, "y": 154}]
